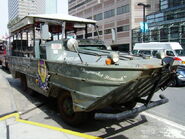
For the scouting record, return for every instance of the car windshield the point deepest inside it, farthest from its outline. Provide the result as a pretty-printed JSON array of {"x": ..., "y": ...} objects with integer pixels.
[{"x": 180, "y": 52}]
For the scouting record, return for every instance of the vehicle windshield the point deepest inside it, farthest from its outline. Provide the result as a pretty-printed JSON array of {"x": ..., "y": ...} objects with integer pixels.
[
  {"x": 180, "y": 52},
  {"x": 93, "y": 47},
  {"x": 92, "y": 44}
]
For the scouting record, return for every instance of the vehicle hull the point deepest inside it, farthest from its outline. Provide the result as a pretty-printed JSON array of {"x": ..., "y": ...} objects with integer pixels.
[{"x": 93, "y": 87}]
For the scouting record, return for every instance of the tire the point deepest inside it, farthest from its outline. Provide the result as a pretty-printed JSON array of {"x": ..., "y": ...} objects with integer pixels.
[
  {"x": 65, "y": 106},
  {"x": 174, "y": 83},
  {"x": 23, "y": 83},
  {"x": 130, "y": 105}
]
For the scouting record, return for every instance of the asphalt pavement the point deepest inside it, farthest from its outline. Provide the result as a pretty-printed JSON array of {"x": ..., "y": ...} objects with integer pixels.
[{"x": 174, "y": 110}]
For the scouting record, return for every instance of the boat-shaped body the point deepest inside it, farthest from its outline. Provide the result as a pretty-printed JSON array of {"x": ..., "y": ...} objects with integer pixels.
[{"x": 94, "y": 84}]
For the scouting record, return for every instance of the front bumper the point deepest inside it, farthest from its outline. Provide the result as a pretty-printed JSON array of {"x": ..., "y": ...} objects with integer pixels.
[{"x": 126, "y": 114}]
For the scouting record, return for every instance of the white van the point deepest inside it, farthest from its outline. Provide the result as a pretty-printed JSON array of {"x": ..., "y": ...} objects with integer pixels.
[{"x": 172, "y": 49}]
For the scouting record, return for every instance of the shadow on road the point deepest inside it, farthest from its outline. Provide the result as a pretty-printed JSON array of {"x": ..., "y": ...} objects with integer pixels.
[
  {"x": 49, "y": 106},
  {"x": 5, "y": 70}
]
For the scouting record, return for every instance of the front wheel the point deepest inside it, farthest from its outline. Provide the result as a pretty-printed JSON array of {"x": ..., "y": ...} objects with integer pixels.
[
  {"x": 130, "y": 105},
  {"x": 67, "y": 113}
]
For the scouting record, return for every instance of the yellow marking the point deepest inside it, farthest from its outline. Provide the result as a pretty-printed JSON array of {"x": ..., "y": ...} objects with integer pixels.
[
  {"x": 16, "y": 115},
  {"x": 17, "y": 118}
]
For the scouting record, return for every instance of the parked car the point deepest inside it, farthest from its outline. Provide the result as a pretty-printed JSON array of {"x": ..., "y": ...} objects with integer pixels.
[
  {"x": 180, "y": 77},
  {"x": 2, "y": 51},
  {"x": 3, "y": 59},
  {"x": 170, "y": 49}
]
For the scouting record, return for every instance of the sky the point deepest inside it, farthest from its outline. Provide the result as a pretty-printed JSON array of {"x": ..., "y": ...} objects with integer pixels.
[{"x": 3, "y": 17}]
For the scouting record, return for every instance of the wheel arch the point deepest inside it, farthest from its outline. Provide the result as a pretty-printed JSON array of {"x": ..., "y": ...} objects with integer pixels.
[{"x": 55, "y": 91}]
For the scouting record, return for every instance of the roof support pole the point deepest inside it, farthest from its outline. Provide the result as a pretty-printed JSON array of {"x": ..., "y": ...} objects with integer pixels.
[
  {"x": 86, "y": 31},
  {"x": 21, "y": 44},
  {"x": 63, "y": 29},
  {"x": 33, "y": 29}
]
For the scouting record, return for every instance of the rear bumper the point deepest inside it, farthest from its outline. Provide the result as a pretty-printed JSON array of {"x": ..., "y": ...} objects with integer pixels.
[{"x": 126, "y": 114}]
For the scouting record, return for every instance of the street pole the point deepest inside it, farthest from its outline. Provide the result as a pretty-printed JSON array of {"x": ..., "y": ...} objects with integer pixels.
[
  {"x": 144, "y": 17},
  {"x": 144, "y": 23}
]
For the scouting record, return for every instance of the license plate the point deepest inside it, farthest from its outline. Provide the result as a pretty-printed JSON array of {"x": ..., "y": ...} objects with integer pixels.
[{"x": 183, "y": 62}]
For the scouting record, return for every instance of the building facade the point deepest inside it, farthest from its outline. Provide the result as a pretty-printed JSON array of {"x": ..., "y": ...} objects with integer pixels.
[
  {"x": 17, "y": 9},
  {"x": 21, "y": 8},
  {"x": 118, "y": 16},
  {"x": 165, "y": 25}
]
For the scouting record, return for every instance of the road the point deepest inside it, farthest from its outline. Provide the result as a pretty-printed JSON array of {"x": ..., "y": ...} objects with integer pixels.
[
  {"x": 35, "y": 107},
  {"x": 175, "y": 109}
]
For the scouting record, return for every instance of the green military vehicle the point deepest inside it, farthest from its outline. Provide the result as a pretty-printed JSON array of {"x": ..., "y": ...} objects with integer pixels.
[{"x": 53, "y": 55}]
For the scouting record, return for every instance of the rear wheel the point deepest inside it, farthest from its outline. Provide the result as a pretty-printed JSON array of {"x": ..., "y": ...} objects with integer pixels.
[
  {"x": 24, "y": 83},
  {"x": 67, "y": 113}
]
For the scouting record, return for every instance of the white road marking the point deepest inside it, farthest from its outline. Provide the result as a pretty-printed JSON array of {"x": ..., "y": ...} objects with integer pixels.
[{"x": 171, "y": 123}]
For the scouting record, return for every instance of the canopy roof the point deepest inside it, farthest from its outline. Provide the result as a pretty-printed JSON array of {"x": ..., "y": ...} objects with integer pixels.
[
  {"x": 29, "y": 19},
  {"x": 63, "y": 17}
]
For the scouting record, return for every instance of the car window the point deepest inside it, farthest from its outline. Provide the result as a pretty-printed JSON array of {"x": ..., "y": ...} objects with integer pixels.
[
  {"x": 145, "y": 52},
  {"x": 170, "y": 53},
  {"x": 154, "y": 52},
  {"x": 134, "y": 52},
  {"x": 180, "y": 52}
]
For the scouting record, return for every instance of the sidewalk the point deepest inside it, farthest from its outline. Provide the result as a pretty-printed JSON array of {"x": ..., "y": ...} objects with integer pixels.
[
  {"x": 12, "y": 127},
  {"x": 7, "y": 103}
]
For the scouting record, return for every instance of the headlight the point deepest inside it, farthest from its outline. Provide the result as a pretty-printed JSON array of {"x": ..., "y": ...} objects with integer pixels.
[
  {"x": 180, "y": 76},
  {"x": 114, "y": 56}
]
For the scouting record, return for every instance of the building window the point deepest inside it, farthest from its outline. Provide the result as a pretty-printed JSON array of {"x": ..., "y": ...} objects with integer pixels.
[
  {"x": 90, "y": 17},
  {"x": 98, "y": 17},
  {"x": 174, "y": 3},
  {"x": 80, "y": 36},
  {"x": 123, "y": 9},
  {"x": 163, "y": 4},
  {"x": 89, "y": 35},
  {"x": 96, "y": 34},
  {"x": 79, "y": 5},
  {"x": 70, "y": 1},
  {"x": 107, "y": 31},
  {"x": 123, "y": 28},
  {"x": 109, "y": 13}
]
